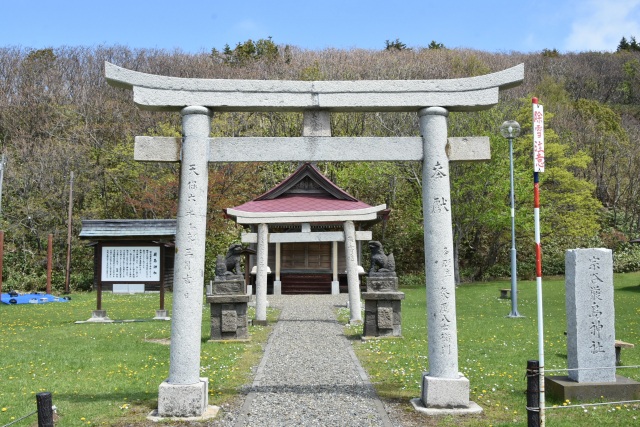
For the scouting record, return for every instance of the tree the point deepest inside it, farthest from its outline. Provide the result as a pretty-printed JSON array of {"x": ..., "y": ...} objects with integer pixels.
[
  {"x": 623, "y": 45},
  {"x": 395, "y": 45},
  {"x": 629, "y": 46},
  {"x": 248, "y": 51}
]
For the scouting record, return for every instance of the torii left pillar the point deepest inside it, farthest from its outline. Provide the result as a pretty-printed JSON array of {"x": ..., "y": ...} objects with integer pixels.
[{"x": 184, "y": 393}]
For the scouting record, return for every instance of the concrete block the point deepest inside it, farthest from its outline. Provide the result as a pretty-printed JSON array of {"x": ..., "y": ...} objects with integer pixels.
[
  {"x": 98, "y": 316},
  {"x": 445, "y": 392},
  {"x": 183, "y": 400},
  {"x": 562, "y": 388}
]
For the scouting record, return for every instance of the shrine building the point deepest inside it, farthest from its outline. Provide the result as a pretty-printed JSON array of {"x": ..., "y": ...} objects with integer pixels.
[{"x": 305, "y": 215}]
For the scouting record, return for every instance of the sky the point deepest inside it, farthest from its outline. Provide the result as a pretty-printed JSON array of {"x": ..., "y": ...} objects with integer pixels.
[{"x": 196, "y": 26}]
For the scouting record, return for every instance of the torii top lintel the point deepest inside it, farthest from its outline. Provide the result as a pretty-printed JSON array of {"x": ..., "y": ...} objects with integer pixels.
[{"x": 163, "y": 93}]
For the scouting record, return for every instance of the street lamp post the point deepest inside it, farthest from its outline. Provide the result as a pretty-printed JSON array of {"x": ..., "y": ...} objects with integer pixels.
[{"x": 510, "y": 130}]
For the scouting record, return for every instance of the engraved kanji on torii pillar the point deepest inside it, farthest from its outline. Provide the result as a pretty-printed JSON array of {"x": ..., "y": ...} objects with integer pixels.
[{"x": 444, "y": 390}]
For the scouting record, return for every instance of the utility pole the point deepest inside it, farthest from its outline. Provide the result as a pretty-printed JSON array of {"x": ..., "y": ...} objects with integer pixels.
[
  {"x": 2, "y": 162},
  {"x": 68, "y": 275}
]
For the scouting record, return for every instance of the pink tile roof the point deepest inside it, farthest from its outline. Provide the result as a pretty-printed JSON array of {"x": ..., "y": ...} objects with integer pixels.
[
  {"x": 305, "y": 191},
  {"x": 302, "y": 203}
]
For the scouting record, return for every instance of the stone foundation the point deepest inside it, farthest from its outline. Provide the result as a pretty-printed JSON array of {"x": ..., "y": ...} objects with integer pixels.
[
  {"x": 183, "y": 400},
  {"x": 229, "y": 309},
  {"x": 99, "y": 316},
  {"x": 382, "y": 314},
  {"x": 562, "y": 388}
]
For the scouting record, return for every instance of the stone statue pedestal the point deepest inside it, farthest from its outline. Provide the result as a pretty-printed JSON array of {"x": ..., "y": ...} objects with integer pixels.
[
  {"x": 228, "y": 304},
  {"x": 382, "y": 306}
]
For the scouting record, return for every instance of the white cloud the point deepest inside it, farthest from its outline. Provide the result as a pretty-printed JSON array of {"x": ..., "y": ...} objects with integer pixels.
[{"x": 599, "y": 25}]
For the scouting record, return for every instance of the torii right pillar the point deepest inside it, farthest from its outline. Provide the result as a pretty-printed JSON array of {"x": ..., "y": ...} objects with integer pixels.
[{"x": 444, "y": 389}]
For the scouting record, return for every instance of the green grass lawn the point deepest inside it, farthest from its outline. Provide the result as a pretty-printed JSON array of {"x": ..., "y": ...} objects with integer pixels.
[
  {"x": 103, "y": 374},
  {"x": 494, "y": 350},
  {"x": 106, "y": 374}
]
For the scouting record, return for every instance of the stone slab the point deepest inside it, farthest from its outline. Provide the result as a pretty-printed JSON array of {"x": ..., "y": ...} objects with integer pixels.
[
  {"x": 391, "y": 296},
  {"x": 210, "y": 413},
  {"x": 228, "y": 287},
  {"x": 164, "y": 93},
  {"x": 229, "y": 321},
  {"x": 382, "y": 283},
  {"x": 445, "y": 392},
  {"x": 472, "y": 409},
  {"x": 98, "y": 316},
  {"x": 590, "y": 315},
  {"x": 228, "y": 299},
  {"x": 385, "y": 318},
  {"x": 323, "y": 148},
  {"x": 162, "y": 315},
  {"x": 466, "y": 149},
  {"x": 231, "y": 340},
  {"x": 563, "y": 388},
  {"x": 183, "y": 400}
]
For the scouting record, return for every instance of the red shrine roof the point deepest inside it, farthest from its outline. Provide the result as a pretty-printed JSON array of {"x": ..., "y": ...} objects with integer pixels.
[
  {"x": 301, "y": 203},
  {"x": 305, "y": 196}
]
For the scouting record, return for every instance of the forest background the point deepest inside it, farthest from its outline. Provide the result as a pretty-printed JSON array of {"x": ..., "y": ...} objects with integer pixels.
[{"x": 58, "y": 115}]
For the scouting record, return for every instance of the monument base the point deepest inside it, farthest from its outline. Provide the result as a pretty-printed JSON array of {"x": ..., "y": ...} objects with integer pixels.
[
  {"x": 445, "y": 393},
  {"x": 99, "y": 316},
  {"x": 210, "y": 413},
  {"x": 382, "y": 314},
  {"x": 229, "y": 317},
  {"x": 563, "y": 388},
  {"x": 183, "y": 400},
  {"x": 162, "y": 315},
  {"x": 472, "y": 409}
]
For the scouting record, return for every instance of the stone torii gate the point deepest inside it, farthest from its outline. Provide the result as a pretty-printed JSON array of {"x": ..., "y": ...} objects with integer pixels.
[{"x": 184, "y": 393}]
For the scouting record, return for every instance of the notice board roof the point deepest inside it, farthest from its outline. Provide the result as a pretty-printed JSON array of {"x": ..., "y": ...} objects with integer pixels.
[{"x": 128, "y": 229}]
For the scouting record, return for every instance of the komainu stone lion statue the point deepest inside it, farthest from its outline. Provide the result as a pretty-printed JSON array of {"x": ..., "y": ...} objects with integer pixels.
[
  {"x": 230, "y": 264},
  {"x": 380, "y": 263}
]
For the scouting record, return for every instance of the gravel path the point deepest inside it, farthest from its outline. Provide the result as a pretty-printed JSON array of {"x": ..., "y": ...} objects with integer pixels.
[{"x": 309, "y": 375}]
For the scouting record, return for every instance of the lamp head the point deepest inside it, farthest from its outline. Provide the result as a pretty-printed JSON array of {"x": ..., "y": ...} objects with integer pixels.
[{"x": 510, "y": 129}]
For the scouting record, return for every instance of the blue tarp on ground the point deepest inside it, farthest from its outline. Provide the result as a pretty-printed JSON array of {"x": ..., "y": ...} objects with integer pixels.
[{"x": 38, "y": 298}]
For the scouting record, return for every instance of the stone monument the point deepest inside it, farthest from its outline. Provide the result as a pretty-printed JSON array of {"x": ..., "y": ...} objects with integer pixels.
[
  {"x": 228, "y": 299},
  {"x": 590, "y": 315},
  {"x": 591, "y": 354},
  {"x": 382, "y": 301}
]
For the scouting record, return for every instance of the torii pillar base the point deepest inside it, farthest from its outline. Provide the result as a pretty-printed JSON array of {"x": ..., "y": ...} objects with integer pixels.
[
  {"x": 183, "y": 400},
  {"x": 445, "y": 396}
]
